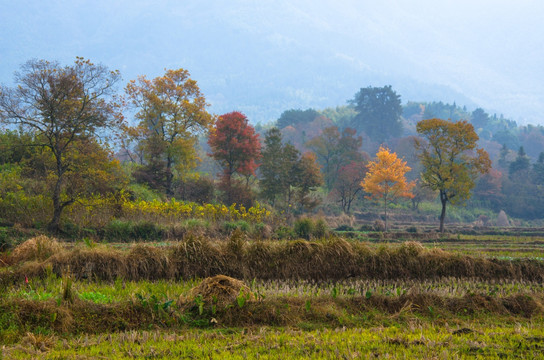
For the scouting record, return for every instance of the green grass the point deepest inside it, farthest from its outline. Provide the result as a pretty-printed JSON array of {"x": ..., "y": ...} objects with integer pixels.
[{"x": 413, "y": 340}]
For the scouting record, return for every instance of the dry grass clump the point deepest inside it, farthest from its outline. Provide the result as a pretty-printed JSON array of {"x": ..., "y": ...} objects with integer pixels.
[
  {"x": 39, "y": 342},
  {"x": 196, "y": 256},
  {"x": 219, "y": 290},
  {"x": 100, "y": 263},
  {"x": 147, "y": 262},
  {"x": 38, "y": 248},
  {"x": 329, "y": 259}
]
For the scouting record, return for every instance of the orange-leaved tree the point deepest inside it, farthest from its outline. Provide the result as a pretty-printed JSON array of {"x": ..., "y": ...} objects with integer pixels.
[{"x": 386, "y": 179}]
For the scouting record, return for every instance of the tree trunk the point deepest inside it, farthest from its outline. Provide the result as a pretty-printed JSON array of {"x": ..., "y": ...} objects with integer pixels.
[
  {"x": 385, "y": 206},
  {"x": 444, "y": 201},
  {"x": 54, "y": 224},
  {"x": 169, "y": 177}
]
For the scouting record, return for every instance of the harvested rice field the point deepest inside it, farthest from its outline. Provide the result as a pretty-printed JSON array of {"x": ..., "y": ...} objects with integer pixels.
[{"x": 202, "y": 297}]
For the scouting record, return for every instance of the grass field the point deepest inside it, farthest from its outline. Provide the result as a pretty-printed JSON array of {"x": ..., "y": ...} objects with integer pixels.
[{"x": 466, "y": 296}]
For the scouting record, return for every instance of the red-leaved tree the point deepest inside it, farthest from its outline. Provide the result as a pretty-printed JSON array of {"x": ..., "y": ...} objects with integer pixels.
[{"x": 236, "y": 147}]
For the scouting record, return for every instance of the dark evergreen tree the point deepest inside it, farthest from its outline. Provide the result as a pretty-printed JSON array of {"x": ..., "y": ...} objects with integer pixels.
[
  {"x": 538, "y": 170},
  {"x": 521, "y": 164},
  {"x": 479, "y": 118},
  {"x": 379, "y": 110},
  {"x": 295, "y": 117}
]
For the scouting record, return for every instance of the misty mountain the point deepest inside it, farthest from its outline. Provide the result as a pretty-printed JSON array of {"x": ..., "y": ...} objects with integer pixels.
[{"x": 266, "y": 57}]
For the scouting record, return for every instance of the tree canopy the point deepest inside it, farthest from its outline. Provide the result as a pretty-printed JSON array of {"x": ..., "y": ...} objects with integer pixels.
[
  {"x": 236, "y": 147},
  {"x": 61, "y": 106},
  {"x": 171, "y": 113},
  {"x": 378, "y": 113},
  {"x": 450, "y": 159},
  {"x": 386, "y": 178}
]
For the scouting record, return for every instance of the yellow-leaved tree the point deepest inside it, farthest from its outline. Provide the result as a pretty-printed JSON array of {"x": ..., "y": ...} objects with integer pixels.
[
  {"x": 386, "y": 179},
  {"x": 451, "y": 160},
  {"x": 171, "y": 113}
]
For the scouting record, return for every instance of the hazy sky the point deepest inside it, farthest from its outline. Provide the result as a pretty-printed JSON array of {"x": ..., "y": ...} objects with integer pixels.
[{"x": 267, "y": 56}]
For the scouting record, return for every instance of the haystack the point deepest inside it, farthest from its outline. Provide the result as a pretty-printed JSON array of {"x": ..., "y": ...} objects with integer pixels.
[
  {"x": 37, "y": 248},
  {"x": 220, "y": 290}
]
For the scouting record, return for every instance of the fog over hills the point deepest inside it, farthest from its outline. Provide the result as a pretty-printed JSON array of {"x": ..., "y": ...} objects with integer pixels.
[{"x": 264, "y": 57}]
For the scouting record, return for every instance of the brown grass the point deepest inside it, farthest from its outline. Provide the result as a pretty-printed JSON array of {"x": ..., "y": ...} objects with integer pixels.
[
  {"x": 331, "y": 259},
  {"x": 219, "y": 290},
  {"x": 37, "y": 248},
  {"x": 82, "y": 317}
]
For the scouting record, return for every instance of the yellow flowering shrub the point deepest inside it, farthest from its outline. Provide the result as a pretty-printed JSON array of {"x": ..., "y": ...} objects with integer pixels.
[{"x": 173, "y": 210}]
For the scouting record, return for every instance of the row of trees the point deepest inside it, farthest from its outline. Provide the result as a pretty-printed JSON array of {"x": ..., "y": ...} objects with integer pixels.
[{"x": 65, "y": 112}]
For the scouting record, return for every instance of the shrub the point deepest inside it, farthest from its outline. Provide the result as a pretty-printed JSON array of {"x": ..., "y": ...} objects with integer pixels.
[
  {"x": 243, "y": 225},
  {"x": 320, "y": 229},
  {"x": 344, "y": 228},
  {"x": 124, "y": 231},
  {"x": 5, "y": 241},
  {"x": 412, "y": 229},
  {"x": 283, "y": 232},
  {"x": 379, "y": 225},
  {"x": 366, "y": 227},
  {"x": 304, "y": 228},
  {"x": 146, "y": 231},
  {"x": 118, "y": 230},
  {"x": 229, "y": 226},
  {"x": 74, "y": 231}
]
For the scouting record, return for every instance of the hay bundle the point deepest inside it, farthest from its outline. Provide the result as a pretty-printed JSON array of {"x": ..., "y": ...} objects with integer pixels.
[
  {"x": 146, "y": 262},
  {"x": 220, "y": 290},
  {"x": 38, "y": 248}
]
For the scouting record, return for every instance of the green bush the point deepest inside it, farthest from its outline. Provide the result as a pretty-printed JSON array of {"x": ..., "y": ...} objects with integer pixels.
[
  {"x": 125, "y": 231},
  {"x": 242, "y": 225},
  {"x": 304, "y": 228},
  {"x": 344, "y": 228},
  {"x": 283, "y": 232},
  {"x": 320, "y": 229},
  {"x": 147, "y": 231},
  {"x": 5, "y": 241},
  {"x": 229, "y": 226},
  {"x": 366, "y": 227},
  {"x": 118, "y": 230}
]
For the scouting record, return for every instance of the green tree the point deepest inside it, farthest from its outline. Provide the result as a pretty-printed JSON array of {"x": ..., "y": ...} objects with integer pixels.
[
  {"x": 296, "y": 117},
  {"x": 309, "y": 179},
  {"x": 520, "y": 165},
  {"x": 379, "y": 110},
  {"x": 272, "y": 169},
  {"x": 538, "y": 170},
  {"x": 287, "y": 176},
  {"x": 479, "y": 118},
  {"x": 450, "y": 159},
  {"x": 61, "y": 105},
  {"x": 334, "y": 150}
]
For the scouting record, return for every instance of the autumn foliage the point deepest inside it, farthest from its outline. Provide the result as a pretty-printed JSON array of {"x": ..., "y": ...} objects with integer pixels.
[
  {"x": 171, "y": 113},
  {"x": 236, "y": 147},
  {"x": 386, "y": 179},
  {"x": 451, "y": 160}
]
